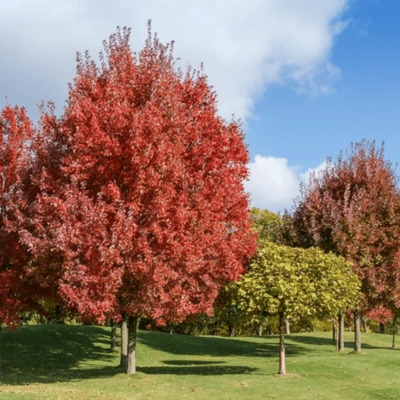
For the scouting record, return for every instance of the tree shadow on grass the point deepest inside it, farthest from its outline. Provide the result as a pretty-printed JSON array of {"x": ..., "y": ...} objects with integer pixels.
[
  {"x": 197, "y": 367},
  {"x": 198, "y": 370},
  {"x": 191, "y": 362},
  {"x": 52, "y": 353}
]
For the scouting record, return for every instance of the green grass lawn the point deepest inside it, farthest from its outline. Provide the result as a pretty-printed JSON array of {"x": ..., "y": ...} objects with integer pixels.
[{"x": 74, "y": 362}]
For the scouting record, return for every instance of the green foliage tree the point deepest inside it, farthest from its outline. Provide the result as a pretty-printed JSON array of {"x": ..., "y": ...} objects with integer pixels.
[
  {"x": 295, "y": 283},
  {"x": 267, "y": 224},
  {"x": 271, "y": 227},
  {"x": 275, "y": 228}
]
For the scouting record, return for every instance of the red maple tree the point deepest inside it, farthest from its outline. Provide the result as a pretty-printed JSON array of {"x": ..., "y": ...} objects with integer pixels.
[
  {"x": 17, "y": 286},
  {"x": 26, "y": 282},
  {"x": 380, "y": 314},
  {"x": 150, "y": 216},
  {"x": 353, "y": 209}
]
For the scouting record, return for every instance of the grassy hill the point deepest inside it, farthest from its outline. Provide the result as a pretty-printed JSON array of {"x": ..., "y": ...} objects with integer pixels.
[{"x": 74, "y": 362}]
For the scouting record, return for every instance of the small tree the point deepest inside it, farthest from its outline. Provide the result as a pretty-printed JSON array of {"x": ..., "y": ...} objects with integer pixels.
[{"x": 295, "y": 283}]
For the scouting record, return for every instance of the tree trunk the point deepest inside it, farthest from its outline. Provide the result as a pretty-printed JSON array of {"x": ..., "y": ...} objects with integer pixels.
[
  {"x": 340, "y": 342},
  {"x": 394, "y": 332},
  {"x": 381, "y": 327},
  {"x": 260, "y": 330},
  {"x": 132, "y": 329},
  {"x": 113, "y": 344},
  {"x": 282, "y": 359},
  {"x": 232, "y": 331},
  {"x": 357, "y": 332},
  {"x": 364, "y": 323},
  {"x": 334, "y": 338},
  {"x": 287, "y": 324},
  {"x": 124, "y": 343}
]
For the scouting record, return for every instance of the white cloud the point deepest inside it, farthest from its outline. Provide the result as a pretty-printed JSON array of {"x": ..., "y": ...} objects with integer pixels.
[
  {"x": 305, "y": 176},
  {"x": 274, "y": 184},
  {"x": 245, "y": 44}
]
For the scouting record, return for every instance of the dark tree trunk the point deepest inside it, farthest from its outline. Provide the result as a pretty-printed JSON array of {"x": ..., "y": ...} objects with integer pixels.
[
  {"x": 113, "y": 345},
  {"x": 334, "y": 338},
  {"x": 282, "y": 358},
  {"x": 124, "y": 343},
  {"x": 381, "y": 327},
  {"x": 394, "y": 332},
  {"x": 357, "y": 332},
  {"x": 287, "y": 325},
  {"x": 340, "y": 342},
  {"x": 364, "y": 323},
  {"x": 132, "y": 330}
]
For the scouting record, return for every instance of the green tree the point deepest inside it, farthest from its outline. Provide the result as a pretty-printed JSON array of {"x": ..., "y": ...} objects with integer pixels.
[
  {"x": 267, "y": 224},
  {"x": 295, "y": 283}
]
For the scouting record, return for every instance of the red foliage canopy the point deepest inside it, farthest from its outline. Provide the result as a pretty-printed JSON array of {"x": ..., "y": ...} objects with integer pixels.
[
  {"x": 380, "y": 314},
  {"x": 353, "y": 209},
  {"x": 150, "y": 216},
  {"x": 15, "y": 286}
]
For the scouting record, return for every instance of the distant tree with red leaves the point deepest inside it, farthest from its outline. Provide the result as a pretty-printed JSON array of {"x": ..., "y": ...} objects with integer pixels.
[
  {"x": 380, "y": 314},
  {"x": 21, "y": 288},
  {"x": 15, "y": 132},
  {"x": 149, "y": 216},
  {"x": 352, "y": 208},
  {"x": 25, "y": 285}
]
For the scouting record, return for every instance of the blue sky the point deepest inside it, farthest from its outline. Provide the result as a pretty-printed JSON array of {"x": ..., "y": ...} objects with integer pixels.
[
  {"x": 365, "y": 102},
  {"x": 306, "y": 77}
]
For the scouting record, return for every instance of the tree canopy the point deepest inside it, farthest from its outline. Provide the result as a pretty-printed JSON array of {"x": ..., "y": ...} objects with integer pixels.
[
  {"x": 297, "y": 282},
  {"x": 353, "y": 209}
]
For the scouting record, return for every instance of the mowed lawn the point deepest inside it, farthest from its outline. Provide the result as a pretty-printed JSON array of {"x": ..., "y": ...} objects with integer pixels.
[{"x": 74, "y": 362}]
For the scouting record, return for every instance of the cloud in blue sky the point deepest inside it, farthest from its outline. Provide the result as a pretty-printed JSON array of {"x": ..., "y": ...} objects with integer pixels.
[
  {"x": 245, "y": 45},
  {"x": 274, "y": 184}
]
